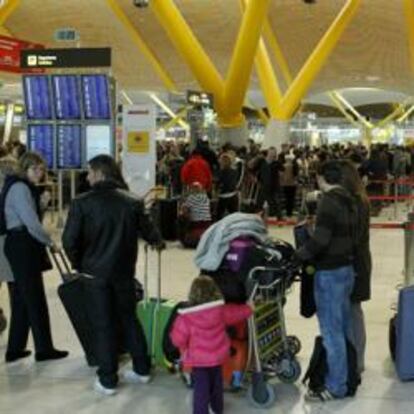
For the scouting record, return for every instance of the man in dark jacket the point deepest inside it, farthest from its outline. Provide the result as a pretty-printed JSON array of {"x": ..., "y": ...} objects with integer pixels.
[
  {"x": 331, "y": 249},
  {"x": 269, "y": 180},
  {"x": 101, "y": 239}
]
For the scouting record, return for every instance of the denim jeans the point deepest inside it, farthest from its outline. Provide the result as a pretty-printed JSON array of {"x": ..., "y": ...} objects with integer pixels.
[{"x": 333, "y": 308}]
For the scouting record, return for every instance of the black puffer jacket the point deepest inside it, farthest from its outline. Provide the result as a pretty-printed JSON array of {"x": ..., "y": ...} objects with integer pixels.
[
  {"x": 362, "y": 256},
  {"x": 102, "y": 230},
  {"x": 333, "y": 242}
]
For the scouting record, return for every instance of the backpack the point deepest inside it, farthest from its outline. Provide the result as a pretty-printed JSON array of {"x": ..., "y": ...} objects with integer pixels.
[{"x": 318, "y": 368}]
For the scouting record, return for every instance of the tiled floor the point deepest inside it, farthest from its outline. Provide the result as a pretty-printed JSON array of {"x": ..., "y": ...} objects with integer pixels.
[{"x": 66, "y": 386}]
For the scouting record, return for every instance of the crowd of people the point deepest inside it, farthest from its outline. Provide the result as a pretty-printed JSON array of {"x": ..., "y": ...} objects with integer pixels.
[{"x": 101, "y": 239}]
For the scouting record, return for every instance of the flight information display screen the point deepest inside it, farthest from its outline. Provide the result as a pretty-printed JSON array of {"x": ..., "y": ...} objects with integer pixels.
[
  {"x": 40, "y": 138},
  {"x": 37, "y": 97},
  {"x": 66, "y": 97},
  {"x": 96, "y": 99},
  {"x": 69, "y": 146},
  {"x": 98, "y": 140}
]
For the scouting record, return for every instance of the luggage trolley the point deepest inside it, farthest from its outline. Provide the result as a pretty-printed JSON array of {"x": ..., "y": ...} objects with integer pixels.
[{"x": 271, "y": 351}]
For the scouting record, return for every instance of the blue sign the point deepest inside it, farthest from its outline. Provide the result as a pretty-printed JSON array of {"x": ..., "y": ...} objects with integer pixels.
[
  {"x": 67, "y": 97},
  {"x": 40, "y": 139},
  {"x": 37, "y": 97},
  {"x": 95, "y": 90},
  {"x": 69, "y": 144}
]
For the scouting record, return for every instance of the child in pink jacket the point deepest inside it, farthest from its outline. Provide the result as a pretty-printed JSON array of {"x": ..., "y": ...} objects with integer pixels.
[{"x": 200, "y": 333}]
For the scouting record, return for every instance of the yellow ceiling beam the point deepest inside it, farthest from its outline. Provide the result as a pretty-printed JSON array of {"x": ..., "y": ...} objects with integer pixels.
[
  {"x": 8, "y": 7},
  {"x": 167, "y": 109},
  {"x": 241, "y": 65},
  {"x": 278, "y": 53},
  {"x": 403, "y": 117},
  {"x": 316, "y": 61},
  {"x": 190, "y": 48},
  {"x": 343, "y": 110},
  {"x": 176, "y": 120},
  {"x": 347, "y": 105},
  {"x": 267, "y": 77},
  {"x": 142, "y": 46}
]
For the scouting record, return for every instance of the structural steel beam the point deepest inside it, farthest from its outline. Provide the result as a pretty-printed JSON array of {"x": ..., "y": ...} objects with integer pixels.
[
  {"x": 190, "y": 48},
  {"x": 406, "y": 115},
  {"x": 277, "y": 52},
  {"x": 316, "y": 60},
  {"x": 343, "y": 110},
  {"x": 267, "y": 77},
  {"x": 409, "y": 14},
  {"x": 142, "y": 46},
  {"x": 347, "y": 105},
  {"x": 9, "y": 6},
  {"x": 179, "y": 117},
  {"x": 241, "y": 65},
  {"x": 167, "y": 109}
]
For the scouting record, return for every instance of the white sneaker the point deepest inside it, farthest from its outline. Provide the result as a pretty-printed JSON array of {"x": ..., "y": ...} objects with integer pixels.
[
  {"x": 131, "y": 376},
  {"x": 103, "y": 390}
]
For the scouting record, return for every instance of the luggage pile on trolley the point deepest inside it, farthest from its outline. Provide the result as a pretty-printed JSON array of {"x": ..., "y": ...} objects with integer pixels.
[{"x": 260, "y": 271}]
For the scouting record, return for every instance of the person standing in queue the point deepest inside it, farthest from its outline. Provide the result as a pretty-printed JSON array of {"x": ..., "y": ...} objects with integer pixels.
[
  {"x": 101, "y": 239},
  {"x": 25, "y": 249},
  {"x": 362, "y": 260},
  {"x": 331, "y": 249}
]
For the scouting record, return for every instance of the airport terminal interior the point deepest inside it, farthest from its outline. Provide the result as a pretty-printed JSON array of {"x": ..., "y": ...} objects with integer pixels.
[{"x": 240, "y": 85}]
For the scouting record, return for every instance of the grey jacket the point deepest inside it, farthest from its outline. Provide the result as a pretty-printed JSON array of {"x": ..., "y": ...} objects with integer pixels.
[{"x": 216, "y": 240}]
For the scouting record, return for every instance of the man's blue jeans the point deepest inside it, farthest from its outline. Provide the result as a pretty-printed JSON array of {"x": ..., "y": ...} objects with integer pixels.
[{"x": 333, "y": 308}]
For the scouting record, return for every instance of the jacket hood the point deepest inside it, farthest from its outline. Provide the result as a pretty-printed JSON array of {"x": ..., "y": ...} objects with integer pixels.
[
  {"x": 206, "y": 316},
  {"x": 109, "y": 185},
  {"x": 342, "y": 194}
]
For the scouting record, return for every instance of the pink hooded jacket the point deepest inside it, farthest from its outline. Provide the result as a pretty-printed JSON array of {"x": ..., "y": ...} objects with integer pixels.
[{"x": 200, "y": 332}]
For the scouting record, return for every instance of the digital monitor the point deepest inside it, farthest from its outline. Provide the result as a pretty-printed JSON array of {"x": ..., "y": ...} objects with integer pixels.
[
  {"x": 96, "y": 98},
  {"x": 40, "y": 138},
  {"x": 37, "y": 97},
  {"x": 66, "y": 97},
  {"x": 98, "y": 140},
  {"x": 69, "y": 146}
]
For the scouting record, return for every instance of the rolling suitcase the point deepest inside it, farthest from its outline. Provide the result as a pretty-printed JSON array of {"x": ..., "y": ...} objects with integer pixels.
[
  {"x": 404, "y": 329},
  {"x": 167, "y": 218},
  {"x": 72, "y": 293},
  {"x": 154, "y": 314}
]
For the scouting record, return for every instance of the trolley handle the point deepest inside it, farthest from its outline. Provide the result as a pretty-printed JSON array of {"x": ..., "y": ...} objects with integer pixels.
[{"x": 259, "y": 269}]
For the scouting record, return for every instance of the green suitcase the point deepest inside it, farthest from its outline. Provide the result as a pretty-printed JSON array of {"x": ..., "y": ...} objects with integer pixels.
[{"x": 154, "y": 314}]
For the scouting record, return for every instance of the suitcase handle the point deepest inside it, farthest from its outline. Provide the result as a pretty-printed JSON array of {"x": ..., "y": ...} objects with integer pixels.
[
  {"x": 146, "y": 271},
  {"x": 61, "y": 262}
]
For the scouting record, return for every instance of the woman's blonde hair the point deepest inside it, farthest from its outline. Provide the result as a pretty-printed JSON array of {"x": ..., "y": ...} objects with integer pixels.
[
  {"x": 28, "y": 160},
  {"x": 203, "y": 290},
  {"x": 8, "y": 166}
]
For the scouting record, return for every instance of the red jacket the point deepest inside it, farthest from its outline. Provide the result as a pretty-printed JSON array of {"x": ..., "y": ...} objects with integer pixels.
[
  {"x": 200, "y": 332},
  {"x": 196, "y": 169}
]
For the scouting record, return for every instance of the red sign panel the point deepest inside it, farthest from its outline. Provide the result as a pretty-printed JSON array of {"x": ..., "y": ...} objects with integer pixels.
[{"x": 10, "y": 54}]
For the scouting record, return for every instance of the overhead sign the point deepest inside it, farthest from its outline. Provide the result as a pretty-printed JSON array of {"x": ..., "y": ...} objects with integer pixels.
[
  {"x": 200, "y": 99},
  {"x": 66, "y": 58},
  {"x": 10, "y": 49},
  {"x": 67, "y": 34}
]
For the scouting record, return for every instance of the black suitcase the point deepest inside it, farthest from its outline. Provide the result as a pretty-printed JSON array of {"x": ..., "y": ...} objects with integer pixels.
[
  {"x": 72, "y": 293},
  {"x": 167, "y": 218}
]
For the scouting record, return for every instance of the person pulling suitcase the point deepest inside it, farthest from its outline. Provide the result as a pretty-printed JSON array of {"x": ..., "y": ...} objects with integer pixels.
[{"x": 101, "y": 239}]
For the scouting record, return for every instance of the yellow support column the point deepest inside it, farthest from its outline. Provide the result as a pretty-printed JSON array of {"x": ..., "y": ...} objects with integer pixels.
[
  {"x": 315, "y": 62},
  {"x": 142, "y": 46},
  {"x": 241, "y": 65},
  {"x": 277, "y": 51},
  {"x": 189, "y": 47},
  {"x": 8, "y": 7},
  {"x": 409, "y": 14}
]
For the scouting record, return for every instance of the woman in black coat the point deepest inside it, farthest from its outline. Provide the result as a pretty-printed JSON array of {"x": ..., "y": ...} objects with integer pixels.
[{"x": 362, "y": 259}]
